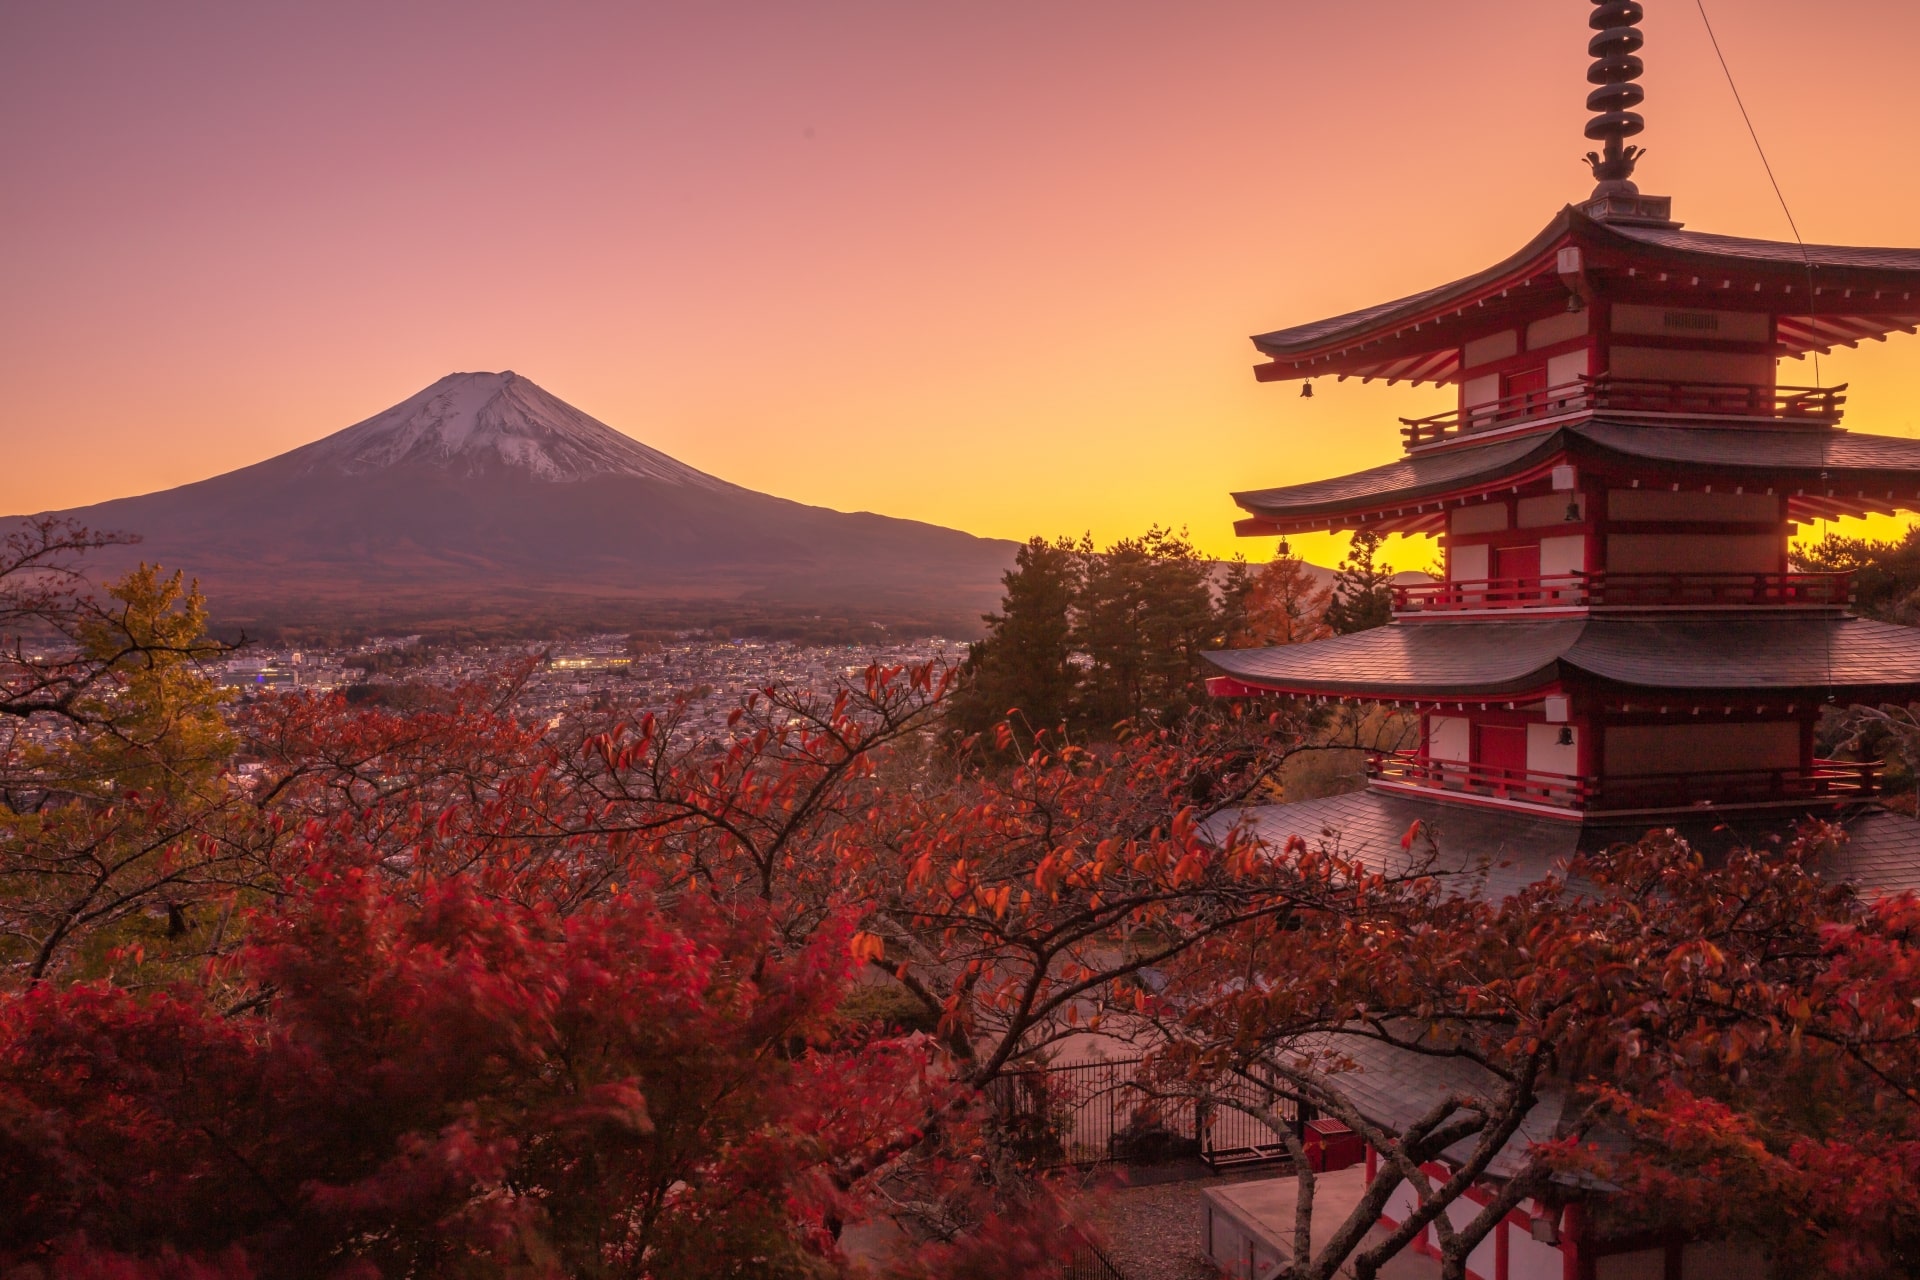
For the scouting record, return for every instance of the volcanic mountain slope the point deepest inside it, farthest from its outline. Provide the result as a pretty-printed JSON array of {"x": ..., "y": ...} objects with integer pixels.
[{"x": 485, "y": 495}]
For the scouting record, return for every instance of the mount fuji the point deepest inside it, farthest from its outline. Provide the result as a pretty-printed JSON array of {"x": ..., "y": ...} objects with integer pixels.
[{"x": 484, "y": 497}]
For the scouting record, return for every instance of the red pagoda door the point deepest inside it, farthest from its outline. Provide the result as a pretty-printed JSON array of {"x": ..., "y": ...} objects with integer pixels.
[
  {"x": 1501, "y": 750},
  {"x": 1517, "y": 562},
  {"x": 1526, "y": 391}
]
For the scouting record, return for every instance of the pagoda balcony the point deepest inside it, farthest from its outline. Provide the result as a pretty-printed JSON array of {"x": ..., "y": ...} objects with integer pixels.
[
  {"x": 1590, "y": 591},
  {"x": 1824, "y": 782},
  {"x": 1607, "y": 394}
]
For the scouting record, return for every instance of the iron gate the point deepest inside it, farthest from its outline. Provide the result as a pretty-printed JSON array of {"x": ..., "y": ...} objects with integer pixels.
[{"x": 1087, "y": 1113}]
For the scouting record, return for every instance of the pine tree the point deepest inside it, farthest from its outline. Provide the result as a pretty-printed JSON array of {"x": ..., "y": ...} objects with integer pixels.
[
  {"x": 1023, "y": 670},
  {"x": 1362, "y": 588},
  {"x": 1145, "y": 615}
]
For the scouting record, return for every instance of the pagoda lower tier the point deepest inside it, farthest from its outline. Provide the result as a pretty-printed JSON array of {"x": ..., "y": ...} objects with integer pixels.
[
  {"x": 1602, "y": 715},
  {"x": 1491, "y": 853}
]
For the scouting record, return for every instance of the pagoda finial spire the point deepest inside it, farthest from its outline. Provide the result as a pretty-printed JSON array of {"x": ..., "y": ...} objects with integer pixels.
[{"x": 1616, "y": 24}]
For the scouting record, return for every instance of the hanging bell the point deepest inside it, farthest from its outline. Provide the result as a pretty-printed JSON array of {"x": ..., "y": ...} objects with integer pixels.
[
  {"x": 1286, "y": 552},
  {"x": 1306, "y": 391}
]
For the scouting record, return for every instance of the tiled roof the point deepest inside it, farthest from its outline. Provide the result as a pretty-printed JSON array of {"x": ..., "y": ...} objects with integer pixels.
[
  {"x": 1488, "y": 852},
  {"x": 1406, "y": 479},
  {"x": 1492, "y": 658},
  {"x": 1438, "y": 659},
  {"x": 1835, "y": 256},
  {"x": 1748, "y": 653},
  {"x": 1491, "y": 853},
  {"x": 1882, "y": 853},
  {"x": 1304, "y": 337},
  {"x": 1780, "y": 456},
  {"x": 1842, "y": 265},
  {"x": 1395, "y": 1087},
  {"x": 1769, "y": 450}
]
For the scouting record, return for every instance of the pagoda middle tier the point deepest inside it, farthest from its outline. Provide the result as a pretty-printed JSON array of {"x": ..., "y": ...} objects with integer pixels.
[{"x": 1620, "y": 629}]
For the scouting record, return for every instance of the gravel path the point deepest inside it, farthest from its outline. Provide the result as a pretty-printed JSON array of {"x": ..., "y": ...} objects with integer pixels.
[{"x": 1153, "y": 1232}]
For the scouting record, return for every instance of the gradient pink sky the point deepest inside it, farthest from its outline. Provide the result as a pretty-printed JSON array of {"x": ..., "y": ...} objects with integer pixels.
[{"x": 989, "y": 265}]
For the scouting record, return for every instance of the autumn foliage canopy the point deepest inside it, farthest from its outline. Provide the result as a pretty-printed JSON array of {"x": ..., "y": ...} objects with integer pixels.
[{"x": 430, "y": 990}]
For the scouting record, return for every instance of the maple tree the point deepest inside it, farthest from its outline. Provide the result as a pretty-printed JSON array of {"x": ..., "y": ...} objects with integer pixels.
[
  {"x": 1279, "y": 603},
  {"x": 491, "y": 996},
  {"x": 451, "y": 1083},
  {"x": 1741, "y": 1024}
]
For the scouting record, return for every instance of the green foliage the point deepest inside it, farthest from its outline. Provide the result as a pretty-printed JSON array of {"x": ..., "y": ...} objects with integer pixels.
[
  {"x": 1144, "y": 615},
  {"x": 1090, "y": 640},
  {"x": 1362, "y": 588},
  {"x": 106, "y": 831},
  {"x": 1886, "y": 575},
  {"x": 1024, "y": 668}
]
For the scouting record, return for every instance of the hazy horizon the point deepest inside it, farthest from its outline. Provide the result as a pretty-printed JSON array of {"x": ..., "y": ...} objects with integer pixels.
[{"x": 991, "y": 270}]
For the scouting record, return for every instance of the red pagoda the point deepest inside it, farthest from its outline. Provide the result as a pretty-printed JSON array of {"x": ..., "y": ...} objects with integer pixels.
[{"x": 1620, "y": 642}]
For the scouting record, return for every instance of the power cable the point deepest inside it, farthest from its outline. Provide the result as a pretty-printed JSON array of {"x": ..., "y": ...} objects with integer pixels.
[
  {"x": 1779, "y": 195},
  {"x": 1806, "y": 258}
]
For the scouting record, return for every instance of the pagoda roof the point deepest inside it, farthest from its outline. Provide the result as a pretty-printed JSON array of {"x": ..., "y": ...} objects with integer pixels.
[
  {"x": 1857, "y": 293},
  {"x": 1488, "y": 658},
  {"x": 1847, "y": 473},
  {"x": 1490, "y": 852}
]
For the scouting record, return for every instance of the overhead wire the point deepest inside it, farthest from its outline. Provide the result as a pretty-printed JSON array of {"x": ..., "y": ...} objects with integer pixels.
[{"x": 1805, "y": 257}]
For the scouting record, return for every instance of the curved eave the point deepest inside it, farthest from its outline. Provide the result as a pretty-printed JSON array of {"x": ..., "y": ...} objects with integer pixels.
[
  {"x": 1685, "y": 657},
  {"x": 1824, "y": 473},
  {"x": 1337, "y": 346},
  {"x": 1857, "y": 294}
]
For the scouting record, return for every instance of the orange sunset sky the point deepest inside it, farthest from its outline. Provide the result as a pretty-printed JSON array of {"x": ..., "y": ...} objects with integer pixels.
[{"x": 989, "y": 265}]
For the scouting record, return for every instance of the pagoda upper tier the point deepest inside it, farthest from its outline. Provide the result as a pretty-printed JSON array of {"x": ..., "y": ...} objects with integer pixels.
[{"x": 1613, "y": 308}]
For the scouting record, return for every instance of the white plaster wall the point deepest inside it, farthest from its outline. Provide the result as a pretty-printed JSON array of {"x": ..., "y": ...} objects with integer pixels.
[
  {"x": 1546, "y": 755},
  {"x": 1449, "y": 738},
  {"x": 1401, "y": 1204},
  {"x": 1488, "y": 517},
  {"x": 1557, "y": 327},
  {"x": 1469, "y": 564},
  {"x": 1694, "y": 552},
  {"x": 1727, "y": 326},
  {"x": 1480, "y": 1261},
  {"x": 1691, "y": 508},
  {"x": 1547, "y": 509},
  {"x": 1688, "y": 748},
  {"x": 1564, "y": 554},
  {"x": 1482, "y": 390},
  {"x": 1567, "y": 367},
  {"x": 1231, "y": 1248},
  {"x": 1495, "y": 346},
  {"x": 1663, "y": 364},
  {"x": 1528, "y": 1259}
]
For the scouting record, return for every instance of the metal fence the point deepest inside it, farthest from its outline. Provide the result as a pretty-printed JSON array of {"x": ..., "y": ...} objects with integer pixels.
[
  {"x": 1088, "y": 1263},
  {"x": 1088, "y": 1113}
]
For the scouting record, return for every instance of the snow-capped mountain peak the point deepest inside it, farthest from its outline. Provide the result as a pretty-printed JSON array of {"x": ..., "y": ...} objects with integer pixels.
[{"x": 470, "y": 423}]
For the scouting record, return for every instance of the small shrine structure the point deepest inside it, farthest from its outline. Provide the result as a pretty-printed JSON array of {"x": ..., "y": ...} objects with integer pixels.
[{"x": 1620, "y": 642}]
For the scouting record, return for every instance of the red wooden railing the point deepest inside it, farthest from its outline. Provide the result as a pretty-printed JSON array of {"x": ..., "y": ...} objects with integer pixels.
[
  {"x": 1632, "y": 395},
  {"x": 1408, "y": 768},
  {"x": 1825, "y": 780},
  {"x": 1629, "y": 591}
]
